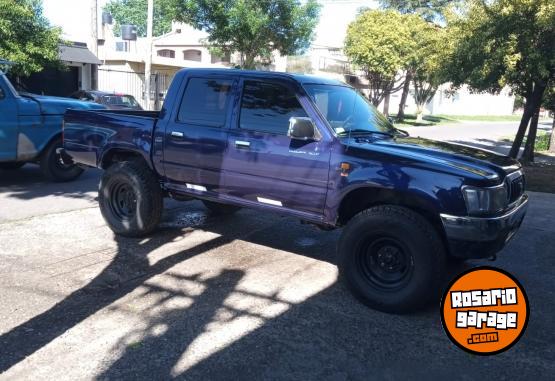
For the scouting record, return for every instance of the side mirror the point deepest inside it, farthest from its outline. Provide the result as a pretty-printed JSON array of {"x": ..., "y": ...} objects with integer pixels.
[{"x": 301, "y": 128}]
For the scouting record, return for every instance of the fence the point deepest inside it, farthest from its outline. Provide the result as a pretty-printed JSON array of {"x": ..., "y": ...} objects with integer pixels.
[{"x": 133, "y": 83}]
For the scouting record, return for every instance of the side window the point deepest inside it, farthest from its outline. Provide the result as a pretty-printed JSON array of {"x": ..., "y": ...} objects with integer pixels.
[
  {"x": 268, "y": 106},
  {"x": 205, "y": 102}
]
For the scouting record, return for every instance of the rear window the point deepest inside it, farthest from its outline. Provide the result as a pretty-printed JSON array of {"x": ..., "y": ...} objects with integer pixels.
[
  {"x": 205, "y": 102},
  {"x": 118, "y": 100}
]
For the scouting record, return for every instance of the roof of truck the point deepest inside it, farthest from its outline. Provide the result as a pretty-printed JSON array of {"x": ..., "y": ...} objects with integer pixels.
[{"x": 301, "y": 78}]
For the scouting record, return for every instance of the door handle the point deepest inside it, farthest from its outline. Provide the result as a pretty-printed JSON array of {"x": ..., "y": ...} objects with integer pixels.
[
  {"x": 242, "y": 144},
  {"x": 176, "y": 134}
]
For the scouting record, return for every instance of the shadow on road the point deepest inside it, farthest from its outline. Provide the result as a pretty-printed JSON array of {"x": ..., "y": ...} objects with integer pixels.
[{"x": 28, "y": 183}]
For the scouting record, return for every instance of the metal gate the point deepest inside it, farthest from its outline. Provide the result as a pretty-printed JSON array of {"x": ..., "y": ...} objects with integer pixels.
[{"x": 133, "y": 83}]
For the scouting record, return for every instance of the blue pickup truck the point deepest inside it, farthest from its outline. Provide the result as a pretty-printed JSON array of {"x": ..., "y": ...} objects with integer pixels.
[
  {"x": 31, "y": 131},
  {"x": 314, "y": 149}
]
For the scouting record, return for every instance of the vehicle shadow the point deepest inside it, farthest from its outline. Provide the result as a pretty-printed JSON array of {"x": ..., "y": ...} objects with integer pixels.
[
  {"x": 309, "y": 326},
  {"x": 28, "y": 183}
]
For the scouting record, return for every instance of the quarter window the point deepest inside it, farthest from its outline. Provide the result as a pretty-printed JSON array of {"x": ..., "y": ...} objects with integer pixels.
[
  {"x": 268, "y": 107},
  {"x": 205, "y": 102}
]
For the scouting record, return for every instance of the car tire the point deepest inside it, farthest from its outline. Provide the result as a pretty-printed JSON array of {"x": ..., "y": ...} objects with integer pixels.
[
  {"x": 391, "y": 258},
  {"x": 130, "y": 199},
  {"x": 54, "y": 168},
  {"x": 11, "y": 166},
  {"x": 219, "y": 209}
]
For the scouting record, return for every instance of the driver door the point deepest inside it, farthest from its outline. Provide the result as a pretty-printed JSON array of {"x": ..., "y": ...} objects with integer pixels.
[{"x": 8, "y": 126}]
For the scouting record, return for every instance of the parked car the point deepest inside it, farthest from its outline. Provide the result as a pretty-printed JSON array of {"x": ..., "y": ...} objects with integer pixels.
[
  {"x": 31, "y": 131},
  {"x": 314, "y": 149},
  {"x": 114, "y": 101}
]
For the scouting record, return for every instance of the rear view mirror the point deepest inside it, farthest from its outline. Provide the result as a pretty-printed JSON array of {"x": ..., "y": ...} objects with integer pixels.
[{"x": 301, "y": 128}]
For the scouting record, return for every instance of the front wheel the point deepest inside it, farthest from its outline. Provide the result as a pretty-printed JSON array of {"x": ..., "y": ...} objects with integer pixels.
[
  {"x": 391, "y": 258},
  {"x": 53, "y": 166},
  {"x": 130, "y": 199}
]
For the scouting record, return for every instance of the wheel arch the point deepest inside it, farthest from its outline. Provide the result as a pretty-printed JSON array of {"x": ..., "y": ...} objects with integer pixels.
[
  {"x": 115, "y": 155},
  {"x": 363, "y": 198}
]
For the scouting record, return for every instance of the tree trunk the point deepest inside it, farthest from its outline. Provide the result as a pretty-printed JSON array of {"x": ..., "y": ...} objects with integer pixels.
[
  {"x": 552, "y": 140},
  {"x": 386, "y": 105},
  {"x": 532, "y": 102},
  {"x": 419, "y": 113},
  {"x": 528, "y": 154},
  {"x": 404, "y": 96},
  {"x": 248, "y": 63}
]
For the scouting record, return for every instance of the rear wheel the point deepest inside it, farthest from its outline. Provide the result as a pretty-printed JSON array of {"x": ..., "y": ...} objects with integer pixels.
[
  {"x": 391, "y": 258},
  {"x": 54, "y": 168},
  {"x": 130, "y": 199},
  {"x": 10, "y": 166},
  {"x": 220, "y": 209}
]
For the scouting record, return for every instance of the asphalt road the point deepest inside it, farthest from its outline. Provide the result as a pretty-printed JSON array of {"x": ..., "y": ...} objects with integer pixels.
[{"x": 250, "y": 296}]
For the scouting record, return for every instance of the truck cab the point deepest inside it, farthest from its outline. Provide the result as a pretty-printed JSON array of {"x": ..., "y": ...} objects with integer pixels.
[
  {"x": 30, "y": 131},
  {"x": 314, "y": 149}
]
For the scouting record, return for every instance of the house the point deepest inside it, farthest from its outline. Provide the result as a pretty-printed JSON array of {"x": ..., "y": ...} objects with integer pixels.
[
  {"x": 123, "y": 61},
  {"x": 79, "y": 72}
]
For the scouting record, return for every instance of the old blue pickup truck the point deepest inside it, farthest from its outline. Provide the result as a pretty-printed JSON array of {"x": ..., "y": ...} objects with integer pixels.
[
  {"x": 314, "y": 149},
  {"x": 31, "y": 131}
]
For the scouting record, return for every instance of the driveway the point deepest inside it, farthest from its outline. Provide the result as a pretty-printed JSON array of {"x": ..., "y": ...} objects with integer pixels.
[{"x": 249, "y": 296}]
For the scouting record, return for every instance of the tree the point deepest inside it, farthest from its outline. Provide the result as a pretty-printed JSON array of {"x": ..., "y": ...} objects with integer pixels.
[
  {"x": 432, "y": 47},
  {"x": 380, "y": 43},
  {"x": 549, "y": 104},
  {"x": 506, "y": 43},
  {"x": 430, "y": 10},
  {"x": 134, "y": 12},
  {"x": 26, "y": 37},
  {"x": 254, "y": 28}
]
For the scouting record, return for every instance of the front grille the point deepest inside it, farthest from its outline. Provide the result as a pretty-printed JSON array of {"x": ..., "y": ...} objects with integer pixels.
[{"x": 516, "y": 184}]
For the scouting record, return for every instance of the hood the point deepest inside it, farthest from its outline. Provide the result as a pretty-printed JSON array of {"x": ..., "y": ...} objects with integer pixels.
[
  {"x": 480, "y": 162},
  {"x": 58, "y": 106}
]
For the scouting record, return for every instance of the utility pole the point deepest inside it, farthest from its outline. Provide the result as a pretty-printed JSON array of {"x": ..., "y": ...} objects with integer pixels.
[
  {"x": 148, "y": 60},
  {"x": 94, "y": 27}
]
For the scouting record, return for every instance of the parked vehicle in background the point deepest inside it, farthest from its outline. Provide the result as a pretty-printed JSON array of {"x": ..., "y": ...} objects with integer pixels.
[
  {"x": 113, "y": 101},
  {"x": 314, "y": 149},
  {"x": 31, "y": 131}
]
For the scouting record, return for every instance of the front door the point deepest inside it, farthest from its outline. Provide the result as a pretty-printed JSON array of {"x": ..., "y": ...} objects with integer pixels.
[
  {"x": 196, "y": 137},
  {"x": 8, "y": 125},
  {"x": 263, "y": 165}
]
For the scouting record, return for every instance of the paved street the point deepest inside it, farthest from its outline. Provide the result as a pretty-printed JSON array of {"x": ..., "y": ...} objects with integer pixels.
[{"x": 247, "y": 296}]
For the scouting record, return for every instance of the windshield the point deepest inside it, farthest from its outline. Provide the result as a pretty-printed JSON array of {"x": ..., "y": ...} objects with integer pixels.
[
  {"x": 348, "y": 111},
  {"x": 9, "y": 85},
  {"x": 120, "y": 100}
]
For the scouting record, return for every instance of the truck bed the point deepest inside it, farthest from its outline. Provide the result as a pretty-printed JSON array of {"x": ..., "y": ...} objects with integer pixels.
[{"x": 91, "y": 135}]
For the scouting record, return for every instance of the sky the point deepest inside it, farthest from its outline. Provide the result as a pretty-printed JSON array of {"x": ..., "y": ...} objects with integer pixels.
[{"x": 74, "y": 17}]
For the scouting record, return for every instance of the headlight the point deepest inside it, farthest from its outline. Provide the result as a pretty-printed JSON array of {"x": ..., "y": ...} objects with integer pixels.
[{"x": 485, "y": 200}]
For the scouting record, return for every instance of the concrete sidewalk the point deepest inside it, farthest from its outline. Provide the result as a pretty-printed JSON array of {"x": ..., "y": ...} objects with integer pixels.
[{"x": 248, "y": 296}]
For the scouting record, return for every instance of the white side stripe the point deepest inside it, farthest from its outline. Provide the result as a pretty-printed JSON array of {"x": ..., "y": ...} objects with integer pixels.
[
  {"x": 268, "y": 201},
  {"x": 196, "y": 187}
]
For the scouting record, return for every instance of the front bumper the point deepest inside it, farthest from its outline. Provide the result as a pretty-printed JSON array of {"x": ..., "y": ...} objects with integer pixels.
[{"x": 482, "y": 237}]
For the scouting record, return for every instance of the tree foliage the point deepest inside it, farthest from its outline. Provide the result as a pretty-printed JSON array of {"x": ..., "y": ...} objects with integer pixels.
[
  {"x": 135, "y": 11},
  {"x": 254, "y": 28},
  {"x": 430, "y": 10},
  {"x": 26, "y": 37},
  {"x": 506, "y": 43},
  {"x": 381, "y": 44}
]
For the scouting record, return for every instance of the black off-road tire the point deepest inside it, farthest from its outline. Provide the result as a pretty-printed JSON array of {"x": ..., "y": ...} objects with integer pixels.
[
  {"x": 52, "y": 166},
  {"x": 11, "y": 166},
  {"x": 220, "y": 209},
  {"x": 130, "y": 199},
  {"x": 391, "y": 258}
]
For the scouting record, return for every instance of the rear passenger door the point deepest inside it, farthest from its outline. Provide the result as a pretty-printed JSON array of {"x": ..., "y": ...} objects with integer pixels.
[
  {"x": 263, "y": 165},
  {"x": 196, "y": 135}
]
